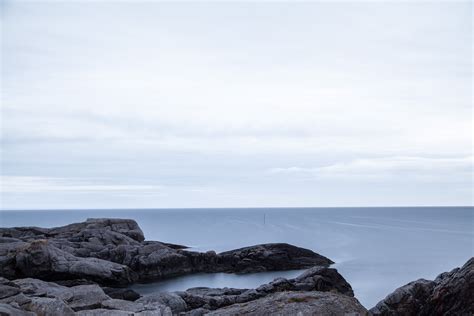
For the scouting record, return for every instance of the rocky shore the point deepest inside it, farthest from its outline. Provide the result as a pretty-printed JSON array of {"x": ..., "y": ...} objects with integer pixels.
[{"x": 85, "y": 268}]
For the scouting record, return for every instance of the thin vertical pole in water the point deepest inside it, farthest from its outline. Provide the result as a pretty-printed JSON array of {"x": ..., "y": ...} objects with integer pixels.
[{"x": 264, "y": 215}]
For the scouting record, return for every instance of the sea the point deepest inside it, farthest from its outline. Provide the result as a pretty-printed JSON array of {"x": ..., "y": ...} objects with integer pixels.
[{"x": 376, "y": 249}]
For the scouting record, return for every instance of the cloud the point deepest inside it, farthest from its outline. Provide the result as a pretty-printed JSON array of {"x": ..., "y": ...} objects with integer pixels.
[
  {"x": 30, "y": 184},
  {"x": 135, "y": 99},
  {"x": 373, "y": 168}
]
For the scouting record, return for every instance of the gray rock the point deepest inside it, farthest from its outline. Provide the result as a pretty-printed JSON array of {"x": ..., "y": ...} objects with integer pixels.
[
  {"x": 4, "y": 281},
  {"x": 175, "y": 302},
  {"x": 270, "y": 257},
  {"x": 113, "y": 252},
  {"x": 197, "y": 312},
  {"x": 43, "y": 260},
  {"x": 7, "y": 291},
  {"x": 121, "y": 293},
  {"x": 19, "y": 299},
  {"x": 74, "y": 282},
  {"x": 8, "y": 252},
  {"x": 132, "y": 306},
  {"x": 87, "y": 297},
  {"x": 409, "y": 299},
  {"x": 9, "y": 310},
  {"x": 296, "y": 303},
  {"x": 104, "y": 312},
  {"x": 321, "y": 279},
  {"x": 35, "y": 287},
  {"x": 123, "y": 305},
  {"x": 165, "y": 311},
  {"x": 451, "y": 293},
  {"x": 45, "y": 306},
  {"x": 454, "y": 291},
  {"x": 315, "y": 279}
]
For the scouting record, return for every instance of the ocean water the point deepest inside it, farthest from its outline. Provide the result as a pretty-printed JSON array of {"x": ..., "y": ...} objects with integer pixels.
[{"x": 375, "y": 249}]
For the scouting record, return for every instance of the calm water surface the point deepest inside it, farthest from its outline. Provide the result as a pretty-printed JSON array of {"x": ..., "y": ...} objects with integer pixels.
[{"x": 375, "y": 249}]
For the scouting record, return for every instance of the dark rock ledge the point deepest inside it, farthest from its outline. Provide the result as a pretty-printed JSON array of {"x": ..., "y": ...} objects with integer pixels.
[
  {"x": 114, "y": 252},
  {"x": 318, "y": 290},
  {"x": 83, "y": 269}
]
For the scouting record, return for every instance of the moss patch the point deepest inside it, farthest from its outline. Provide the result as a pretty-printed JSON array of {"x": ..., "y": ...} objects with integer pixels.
[{"x": 298, "y": 299}]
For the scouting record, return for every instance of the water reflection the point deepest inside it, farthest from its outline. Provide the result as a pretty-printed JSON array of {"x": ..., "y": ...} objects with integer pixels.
[{"x": 214, "y": 280}]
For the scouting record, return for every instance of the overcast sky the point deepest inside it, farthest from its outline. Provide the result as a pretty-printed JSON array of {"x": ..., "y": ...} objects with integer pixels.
[{"x": 109, "y": 105}]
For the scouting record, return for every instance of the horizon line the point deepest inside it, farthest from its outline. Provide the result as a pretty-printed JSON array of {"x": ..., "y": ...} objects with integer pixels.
[{"x": 230, "y": 208}]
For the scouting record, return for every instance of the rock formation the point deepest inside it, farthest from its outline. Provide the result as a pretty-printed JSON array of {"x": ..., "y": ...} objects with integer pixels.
[
  {"x": 114, "y": 252},
  {"x": 316, "y": 291},
  {"x": 451, "y": 293},
  {"x": 84, "y": 268}
]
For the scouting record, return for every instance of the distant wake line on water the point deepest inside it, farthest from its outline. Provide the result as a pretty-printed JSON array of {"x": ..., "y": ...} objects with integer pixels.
[
  {"x": 394, "y": 220},
  {"x": 381, "y": 226}
]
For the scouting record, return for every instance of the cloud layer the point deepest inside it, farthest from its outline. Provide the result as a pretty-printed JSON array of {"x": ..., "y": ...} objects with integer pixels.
[{"x": 235, "y": 104}]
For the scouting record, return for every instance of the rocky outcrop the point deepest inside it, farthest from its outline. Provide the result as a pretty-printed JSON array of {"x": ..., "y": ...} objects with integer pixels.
[
  {"x": 114, "y": 252},
  {"x": 451, "y": 293},
  {"x": 36, "y": 297},
  {"x": 320, "y": 288},
  {"x": 75, "y": 270},
  {"x": 270, "y": 257},
  {"x": 99, "y": 228},
  {"x": 41, "y": 259},
  {"x": 316, "y": 279}
]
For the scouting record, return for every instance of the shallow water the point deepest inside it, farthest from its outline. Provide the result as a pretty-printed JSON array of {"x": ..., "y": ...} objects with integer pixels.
[
  {"x": 375, "y": 249},
  {"x": 239, "y": 281}
]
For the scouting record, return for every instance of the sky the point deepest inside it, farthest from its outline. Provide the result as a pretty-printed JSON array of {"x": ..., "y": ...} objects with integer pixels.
[{"x": 219, "y": 104}]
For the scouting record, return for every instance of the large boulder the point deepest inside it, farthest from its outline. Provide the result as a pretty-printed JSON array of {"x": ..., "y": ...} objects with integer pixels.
[
  {"x": 87, "y": 297},
  {"x": 172, "y": 300},
  {"x": 270, "y": 257},
  {"x": 127, "y": 227},
  {"x": 451, "y": 293},
  {"x": 41, "y": 259}
]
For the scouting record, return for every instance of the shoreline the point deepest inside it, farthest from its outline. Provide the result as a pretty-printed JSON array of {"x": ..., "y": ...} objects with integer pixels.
[{"x": 100, "y": 253}]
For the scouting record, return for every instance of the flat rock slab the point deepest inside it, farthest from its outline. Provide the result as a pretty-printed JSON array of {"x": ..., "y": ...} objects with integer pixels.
[{"x": 37, "y": 287}]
